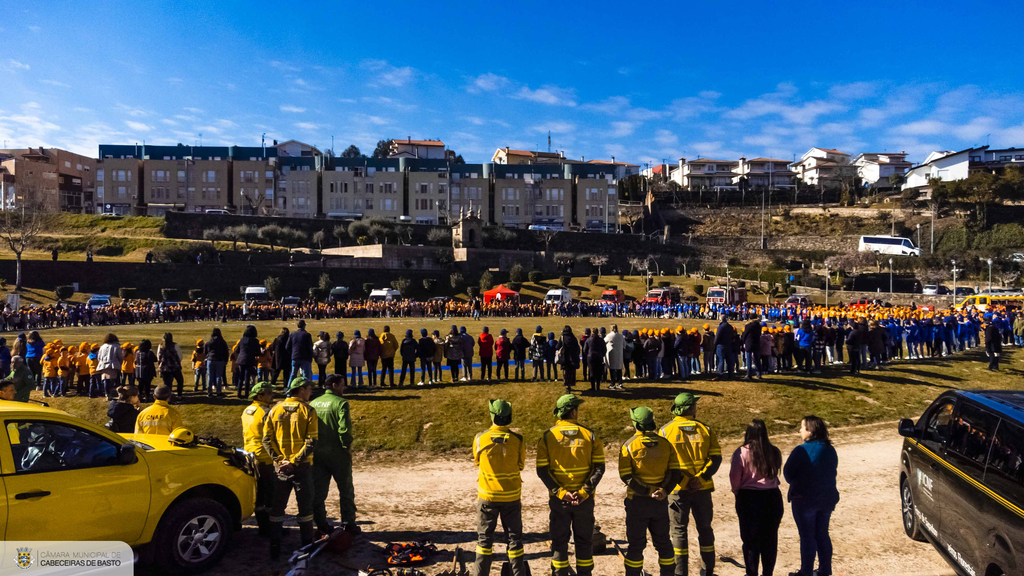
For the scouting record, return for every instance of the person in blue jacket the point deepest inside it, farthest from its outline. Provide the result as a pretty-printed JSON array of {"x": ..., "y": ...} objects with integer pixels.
[{"x": 811, "y": 472}]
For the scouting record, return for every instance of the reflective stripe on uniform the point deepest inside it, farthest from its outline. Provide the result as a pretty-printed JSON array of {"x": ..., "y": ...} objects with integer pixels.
[
  {"x": 483, "y": 551},
  {"x": 633, "y": 563},
  {"x": 681, "y": 551},
  {"x": 307, "y": 518},
  {"x": 559, "y": 563},
  {"x": 584, "y": 562},
  {"x": 707, "y": 548},
  {"x": 515, "y": 553},
  {"x": 666, "y": 561}
]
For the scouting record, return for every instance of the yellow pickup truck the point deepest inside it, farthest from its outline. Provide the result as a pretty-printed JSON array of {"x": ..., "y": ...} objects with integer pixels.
[{"x": 66, "y": 479}]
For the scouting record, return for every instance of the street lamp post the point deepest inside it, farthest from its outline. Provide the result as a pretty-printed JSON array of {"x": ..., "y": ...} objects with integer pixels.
[
  {"x": 728, "y": 278},
  {"x": 989, "y": 275},
  {"x": 954, "y": 281},
  {"x": 890, "y": 276},
  {"x": 828, "y": 277},
  {"x": 918, "y": 234}
]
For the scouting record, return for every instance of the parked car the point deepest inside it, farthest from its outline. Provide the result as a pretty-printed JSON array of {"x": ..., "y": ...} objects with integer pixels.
[
  {"x": 961, "y": 480},
  {"x": 160, "y": 497},
  {"x": 1017, "y": 257},
  {"x": 291, "y": 301},
  {"x": 964, "y": 291},
  {"x": 98, "y": 301},
  {"x": 934, "y": 289}
]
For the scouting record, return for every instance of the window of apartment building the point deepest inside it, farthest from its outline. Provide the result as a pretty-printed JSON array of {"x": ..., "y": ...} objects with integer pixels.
[
  {"x": 975, "y": 158},
  {"x": 369, "y": 188},
  {"x": 344, "y": 187},
  {"x": 611, "y": 191},
  {"x": 331, "y": 187},
  {"x": 369, "y": 203},
  {"x": 1005, "y": 158},
  {"x": 99, "y": 191},
  {"x": 442, "y": 189},
  {"x": 300, "y": 203},
  {"x": 269, "y": 174},
  {"x": 1019, "y": 157},
  {"x": 282, "y": 203},
  {"x": 424, "y": 188},
  {"x": 181, "y": 192},
  {"x": 67, "y": 164},
  {"x": 99, "y": 175},
  {"x": 387, "y": 188},
  {"x": 358, "y": 204},
  {"x": 455, "y": 192},
  {"x": 122, "y": 192},
  {"x": 181, "y": 175},
  {"x": 79, "y": 166},
  {"x": 388, "y": 204},
  {"x": 538, "y": 210}
]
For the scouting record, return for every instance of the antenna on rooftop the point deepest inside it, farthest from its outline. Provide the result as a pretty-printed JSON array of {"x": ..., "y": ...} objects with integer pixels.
[
  {"x": 200, "y": 138},
  {"x": 549, "y": 141}
]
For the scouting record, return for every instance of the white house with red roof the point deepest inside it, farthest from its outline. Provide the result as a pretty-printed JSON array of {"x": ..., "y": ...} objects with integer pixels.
[{"x": 820, "y": 165}]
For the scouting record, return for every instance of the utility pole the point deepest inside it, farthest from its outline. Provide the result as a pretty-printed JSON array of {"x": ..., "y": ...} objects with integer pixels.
[
  {"x": 934, "y": 208},
  {"x": 955, "y": 270},
  {"x": 828, "y": 278},
  {"x": 989, "y": 275},
  {"x": 890, "y": 277}
]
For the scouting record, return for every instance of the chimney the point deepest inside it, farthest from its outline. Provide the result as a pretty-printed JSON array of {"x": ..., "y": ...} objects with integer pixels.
[{"x": 613, "y": 159}]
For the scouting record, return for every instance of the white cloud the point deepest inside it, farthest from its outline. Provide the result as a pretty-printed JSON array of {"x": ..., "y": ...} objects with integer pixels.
[
  {"x": 224, "y": 123},
  {"x": 169, "y": 122},
  {"x": 193, "y": 110},
  {"x": 620, "y": 106},
  {"x": 488, "y": 82},
  {"x": 388, "y": 75},
  {"x": 476, "y": 121},
  {"x": 308, "y": 126},
  {"x": 665, "y": 138},
  {"x": 283, "y": 66},
  {"x": 695, "y": 106},
  {"x": 138, "y": 126},
  {"x": 622, "y": 129},
  {"x": 55, "y": 83},
  {"x": 557, "y": 127},
  {"x": 186, "y": 118},
  {"x": 547, "y": 94},
  {"x": 13, "y": 64},
  {"x": 35, "y": 29},
  {"x": 131, "y": 110},
  {"x": 921, "y": 128},
  {"x": 854, "y": 90},
  {"x": 292, "y": 109}
]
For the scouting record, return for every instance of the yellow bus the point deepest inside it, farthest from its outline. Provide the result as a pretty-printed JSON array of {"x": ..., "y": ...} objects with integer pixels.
[{"x": 983, "y": 302}]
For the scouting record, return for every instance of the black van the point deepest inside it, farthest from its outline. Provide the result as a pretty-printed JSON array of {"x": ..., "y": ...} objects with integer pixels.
[{"x": 962, "y": 480}]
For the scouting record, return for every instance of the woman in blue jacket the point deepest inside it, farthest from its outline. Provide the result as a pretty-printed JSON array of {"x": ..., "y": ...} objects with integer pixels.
[
  {"x": 811, "y": 472},
  {"x": 34, "y": 357}
]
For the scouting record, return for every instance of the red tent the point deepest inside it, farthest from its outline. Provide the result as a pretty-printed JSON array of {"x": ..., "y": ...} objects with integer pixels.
[{"x": 500, "y": 293}]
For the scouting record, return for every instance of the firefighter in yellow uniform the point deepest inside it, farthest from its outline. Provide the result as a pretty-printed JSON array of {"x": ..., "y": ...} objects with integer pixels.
[
  {"x": 253, "y": 419},
  {"x": 161, "y": 417},
  {"x": 501, "y": 456},
  {"x": 570, "y": 462},
  {"x": 289, "y": 435},
  {"x": 699, "y": 456},
  {"x": 649, "y": 468}
]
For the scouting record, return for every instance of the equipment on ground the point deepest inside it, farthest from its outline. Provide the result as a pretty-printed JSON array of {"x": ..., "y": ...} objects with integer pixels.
[
  {"x": 409, "y": 553},
  {"x": 458, "y": 568},
  {"x": 338, "y": 541}
]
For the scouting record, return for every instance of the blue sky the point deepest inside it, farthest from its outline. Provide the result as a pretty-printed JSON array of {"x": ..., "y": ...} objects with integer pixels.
[{"x": 640, "y": 82}]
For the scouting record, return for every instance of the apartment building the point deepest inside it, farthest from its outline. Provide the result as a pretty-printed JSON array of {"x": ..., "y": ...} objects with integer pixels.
[
  {"x": 532, "y": 194},
  {"x": 508, "y": 156},
  {"x": 707, "y": 174},
  {"x": 52, "y": 179},
  {"x": 621, "y": 169},
  {"x": 253, "y": 179},
  {"x": 298, "y": 187},
  {"x": 596, "y": 197},
  {"x": 820, "y": 166},
  {"x": 470, "y": 190},
  {"x": 876, "y": 169},
  {"x": 420, "y": 149},
  {"x": 948, "y": 165},
  {"x": 428, "y": 189},
  {"x": 760, "y": 173},
  {"x": 118, "y": 179}
]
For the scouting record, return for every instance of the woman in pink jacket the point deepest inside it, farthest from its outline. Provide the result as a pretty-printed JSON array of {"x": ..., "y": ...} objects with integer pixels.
[{"x": 755, "y": 482}]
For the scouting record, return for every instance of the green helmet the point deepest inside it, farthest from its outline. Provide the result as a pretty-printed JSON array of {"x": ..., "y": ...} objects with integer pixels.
[
  {"x": 683, "y": 402},
  {"x": 298, "y": 382},
  {"x": 259, "y": 388},
  {"x": 643, "y": 418},
  {"x": 566, "y": 403},
  {"x": 499, "y": 407}
]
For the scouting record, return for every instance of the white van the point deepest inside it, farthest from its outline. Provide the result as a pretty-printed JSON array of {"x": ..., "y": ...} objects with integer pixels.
[
  {"x": 558, "y": 296},
  {"x": 384, "y": 295},
  {"x": 894, "y": 245},
  {"x": 256, "y": 294},
  {"x": 219, "y": 211}
]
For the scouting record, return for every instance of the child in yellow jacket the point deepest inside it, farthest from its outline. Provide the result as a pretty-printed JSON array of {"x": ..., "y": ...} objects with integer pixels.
[
  {"x": 82, "y": 362},
  {"x": 128, "y": 365},
  {"x": 51, "y": 384},
  {"x": 65, "y": 369},
  {"x": 199, "y": 365}
]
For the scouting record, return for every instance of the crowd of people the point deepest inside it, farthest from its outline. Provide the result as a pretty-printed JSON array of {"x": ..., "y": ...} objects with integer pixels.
[{"x": 760, "y": 343}]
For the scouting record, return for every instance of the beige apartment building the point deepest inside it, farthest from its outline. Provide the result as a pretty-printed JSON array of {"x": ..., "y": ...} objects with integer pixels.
[
  {"x": 364, "y": 188},
  {"x": 51, "y": 179},
  {"x": 297, "y": 193},
  {"x": 764, "y": 173},
  {"x": 470, "y": 190},
  {"x": 428, "y": 196},
  {"x": 597, "y": 199}
]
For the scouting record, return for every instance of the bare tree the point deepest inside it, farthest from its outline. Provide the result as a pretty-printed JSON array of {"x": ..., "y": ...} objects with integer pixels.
[
  {"x": 598, "y": 261},
  {"x": 340, "y": 232},
  {"x": 19, "y": 231},
  {"x": 631, "y": 217},
  {"x": 254, "y": 199},
  {"x": 546, "y": 236},
  {"x": 653, "y": 258}
]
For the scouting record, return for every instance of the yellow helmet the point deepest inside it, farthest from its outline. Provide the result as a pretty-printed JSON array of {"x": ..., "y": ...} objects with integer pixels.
[{"x": 181, "y": 437}]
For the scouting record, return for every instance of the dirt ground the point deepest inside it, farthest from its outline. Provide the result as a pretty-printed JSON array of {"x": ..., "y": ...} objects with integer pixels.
[{"x": 411, "y": 498}]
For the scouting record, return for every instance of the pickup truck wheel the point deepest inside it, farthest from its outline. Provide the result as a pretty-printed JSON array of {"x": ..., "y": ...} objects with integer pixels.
[
  {"x": 909, "y": 513},
  {"x": 193, "y": 536}
]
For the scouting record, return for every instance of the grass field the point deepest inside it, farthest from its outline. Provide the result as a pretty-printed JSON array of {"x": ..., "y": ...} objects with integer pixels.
[{"x": 445, "y": 418}]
